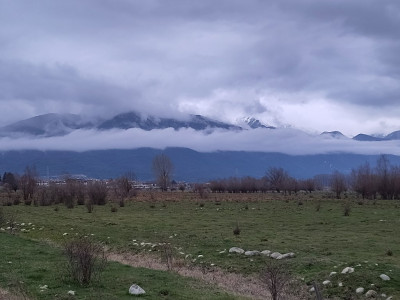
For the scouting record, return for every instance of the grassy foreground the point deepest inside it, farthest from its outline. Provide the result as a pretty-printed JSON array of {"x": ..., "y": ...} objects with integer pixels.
[
  {"x": 26, "y": 265},
  {"x": 323, "y": 239}
]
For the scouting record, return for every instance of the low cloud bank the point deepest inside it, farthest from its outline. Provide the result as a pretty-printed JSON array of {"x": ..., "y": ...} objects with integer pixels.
[{"x": 288, "y": 141}]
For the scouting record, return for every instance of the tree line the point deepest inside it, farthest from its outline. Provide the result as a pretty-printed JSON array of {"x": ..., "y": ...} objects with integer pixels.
[{"x": 367, "y": 182}]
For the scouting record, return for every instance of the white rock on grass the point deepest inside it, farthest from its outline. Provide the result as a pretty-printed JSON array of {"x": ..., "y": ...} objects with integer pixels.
[
  {"x": 266, "y": 252},
  {"x": 312, "y": 290},
  {"x": 371, "y": 294},
  {"x": 326, "y": 282},
  {"x": 136, "y": 290},
  {"x": 72, "y": 293},
  {"x": 347, "y": 270},
  {"x": 236, "y": 250},
  {"x": 286, "y": 255},
  {"x": 360, "y": 290},
  {"x": 275, "y": 255},
  {"x": 252, "y": 253},
  {"x": 340, "y": 284},
  {"x": 384, "y": 277},
  {"x": 332, "y": 274}
]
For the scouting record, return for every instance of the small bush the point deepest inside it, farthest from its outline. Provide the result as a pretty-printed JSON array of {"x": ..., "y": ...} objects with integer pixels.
[
  {"x": 97, "y": 192},
  {"x": 121, "y": 203},
  {"x": 276, "y": 278},
  {"x": 201, "y": 204},
  {"x": 16, "y": 199},
  {"x": 28, "y": 201},
  {"x": 2, "y": 217},
  {"x": 236, "y": 230},
  {"x": 167, "y": 255},
  {"x": 114, "y": 209},
  {"x": 347, "y": 209},
  {"x": 389, "y": 252},
  {"x": 318, "y": 206},
  {"x": 85, "y": 259},
  {"x": 89, "y": 205}
]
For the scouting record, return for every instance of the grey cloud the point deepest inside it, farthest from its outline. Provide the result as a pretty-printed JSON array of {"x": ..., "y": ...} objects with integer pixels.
[
  {"x": 280, "y": 140},
  {"x": 158, "y": 56}
]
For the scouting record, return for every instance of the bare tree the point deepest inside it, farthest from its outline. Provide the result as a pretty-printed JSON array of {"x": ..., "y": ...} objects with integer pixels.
[
  {"x": 28, "y": 183},
  {"x": 363, "y": 181},
  {"x": 338, "y": 183},
  {"x": 383, "y": 173},
  {"x": 277, "y": 178},
  {"x": 162, "y": 168}
]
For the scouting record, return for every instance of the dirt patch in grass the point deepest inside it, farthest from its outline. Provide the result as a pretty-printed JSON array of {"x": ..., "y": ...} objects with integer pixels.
[
  {"x": 5, "y": 295},
  {"x": 240, "y": 285}
]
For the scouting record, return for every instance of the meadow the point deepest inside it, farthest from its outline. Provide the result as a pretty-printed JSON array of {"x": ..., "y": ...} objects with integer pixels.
[{"x": 200, "y": 230}]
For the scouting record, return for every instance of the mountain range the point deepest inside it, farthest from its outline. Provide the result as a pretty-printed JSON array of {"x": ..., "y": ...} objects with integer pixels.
[
  {"x": 52, "y": 124},
  {"x": 190, "y": 165}
]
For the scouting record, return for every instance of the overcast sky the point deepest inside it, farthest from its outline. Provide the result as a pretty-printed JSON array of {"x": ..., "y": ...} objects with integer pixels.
[{"x": 310, "y": 64}]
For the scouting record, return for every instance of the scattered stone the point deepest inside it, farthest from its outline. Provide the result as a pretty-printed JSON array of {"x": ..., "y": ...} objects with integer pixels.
[
  {"x": 371, "y": 294},
  {"x": 389, "y": 298},
  {"x": 136, "y": 290},
  {"x": 384, "y": 277},
  {"x": 383, "y": 295},
  {"x": 332, "y": 273},
  {"x": 326, "y": 282},
  {"x": 286, "y": 255},
  {"x": 72, "y": 293},
  {"x": 347, "y": 270},
  {"x": 200, "y": 256},
  {"x": 275, "y": 255},
  {"x": 252, "y": 253},
  {"x": 222, "y": 252},
  {"x": 360, "y": 290},
  {"x": 340, "y": 284},
  {"x": 312, "y": 290},
  {"x": 43, "y": 287},
  {"x": 236, "y": 250},
  {"x": 266, "y": 252}
]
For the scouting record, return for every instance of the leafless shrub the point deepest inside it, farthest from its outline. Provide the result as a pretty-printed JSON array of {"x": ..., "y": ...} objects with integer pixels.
[
  {"x": 86, "y": 259},
  {"x": 12, "y": 222},
  {"x": 236, "y": 230},
  {"x": 89, "y": 205},
  {"x": 201, "y": 190},
  {"x": 276, "y": 277},
  {"x": 318, "y": 206},
  {"x": 167, "y": 255},
  {"x": 347, "y": 209},
  {"x": 97, "y": 192},
  {"x": 2, "y": 217}
]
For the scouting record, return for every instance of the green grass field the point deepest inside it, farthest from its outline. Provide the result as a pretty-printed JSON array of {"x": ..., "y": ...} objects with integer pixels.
[{"x": 324, "y": 241}]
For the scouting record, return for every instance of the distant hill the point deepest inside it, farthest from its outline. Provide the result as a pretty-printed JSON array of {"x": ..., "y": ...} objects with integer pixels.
[
  {"x": 46, "y": 125},
  {"x": 334, "y": 134},
  {"x": 135, "y": 120},
  {"x": 367, "y": 138},
  {"x": 393, "y": 136},
  {"x": 189, "y": 165}
]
